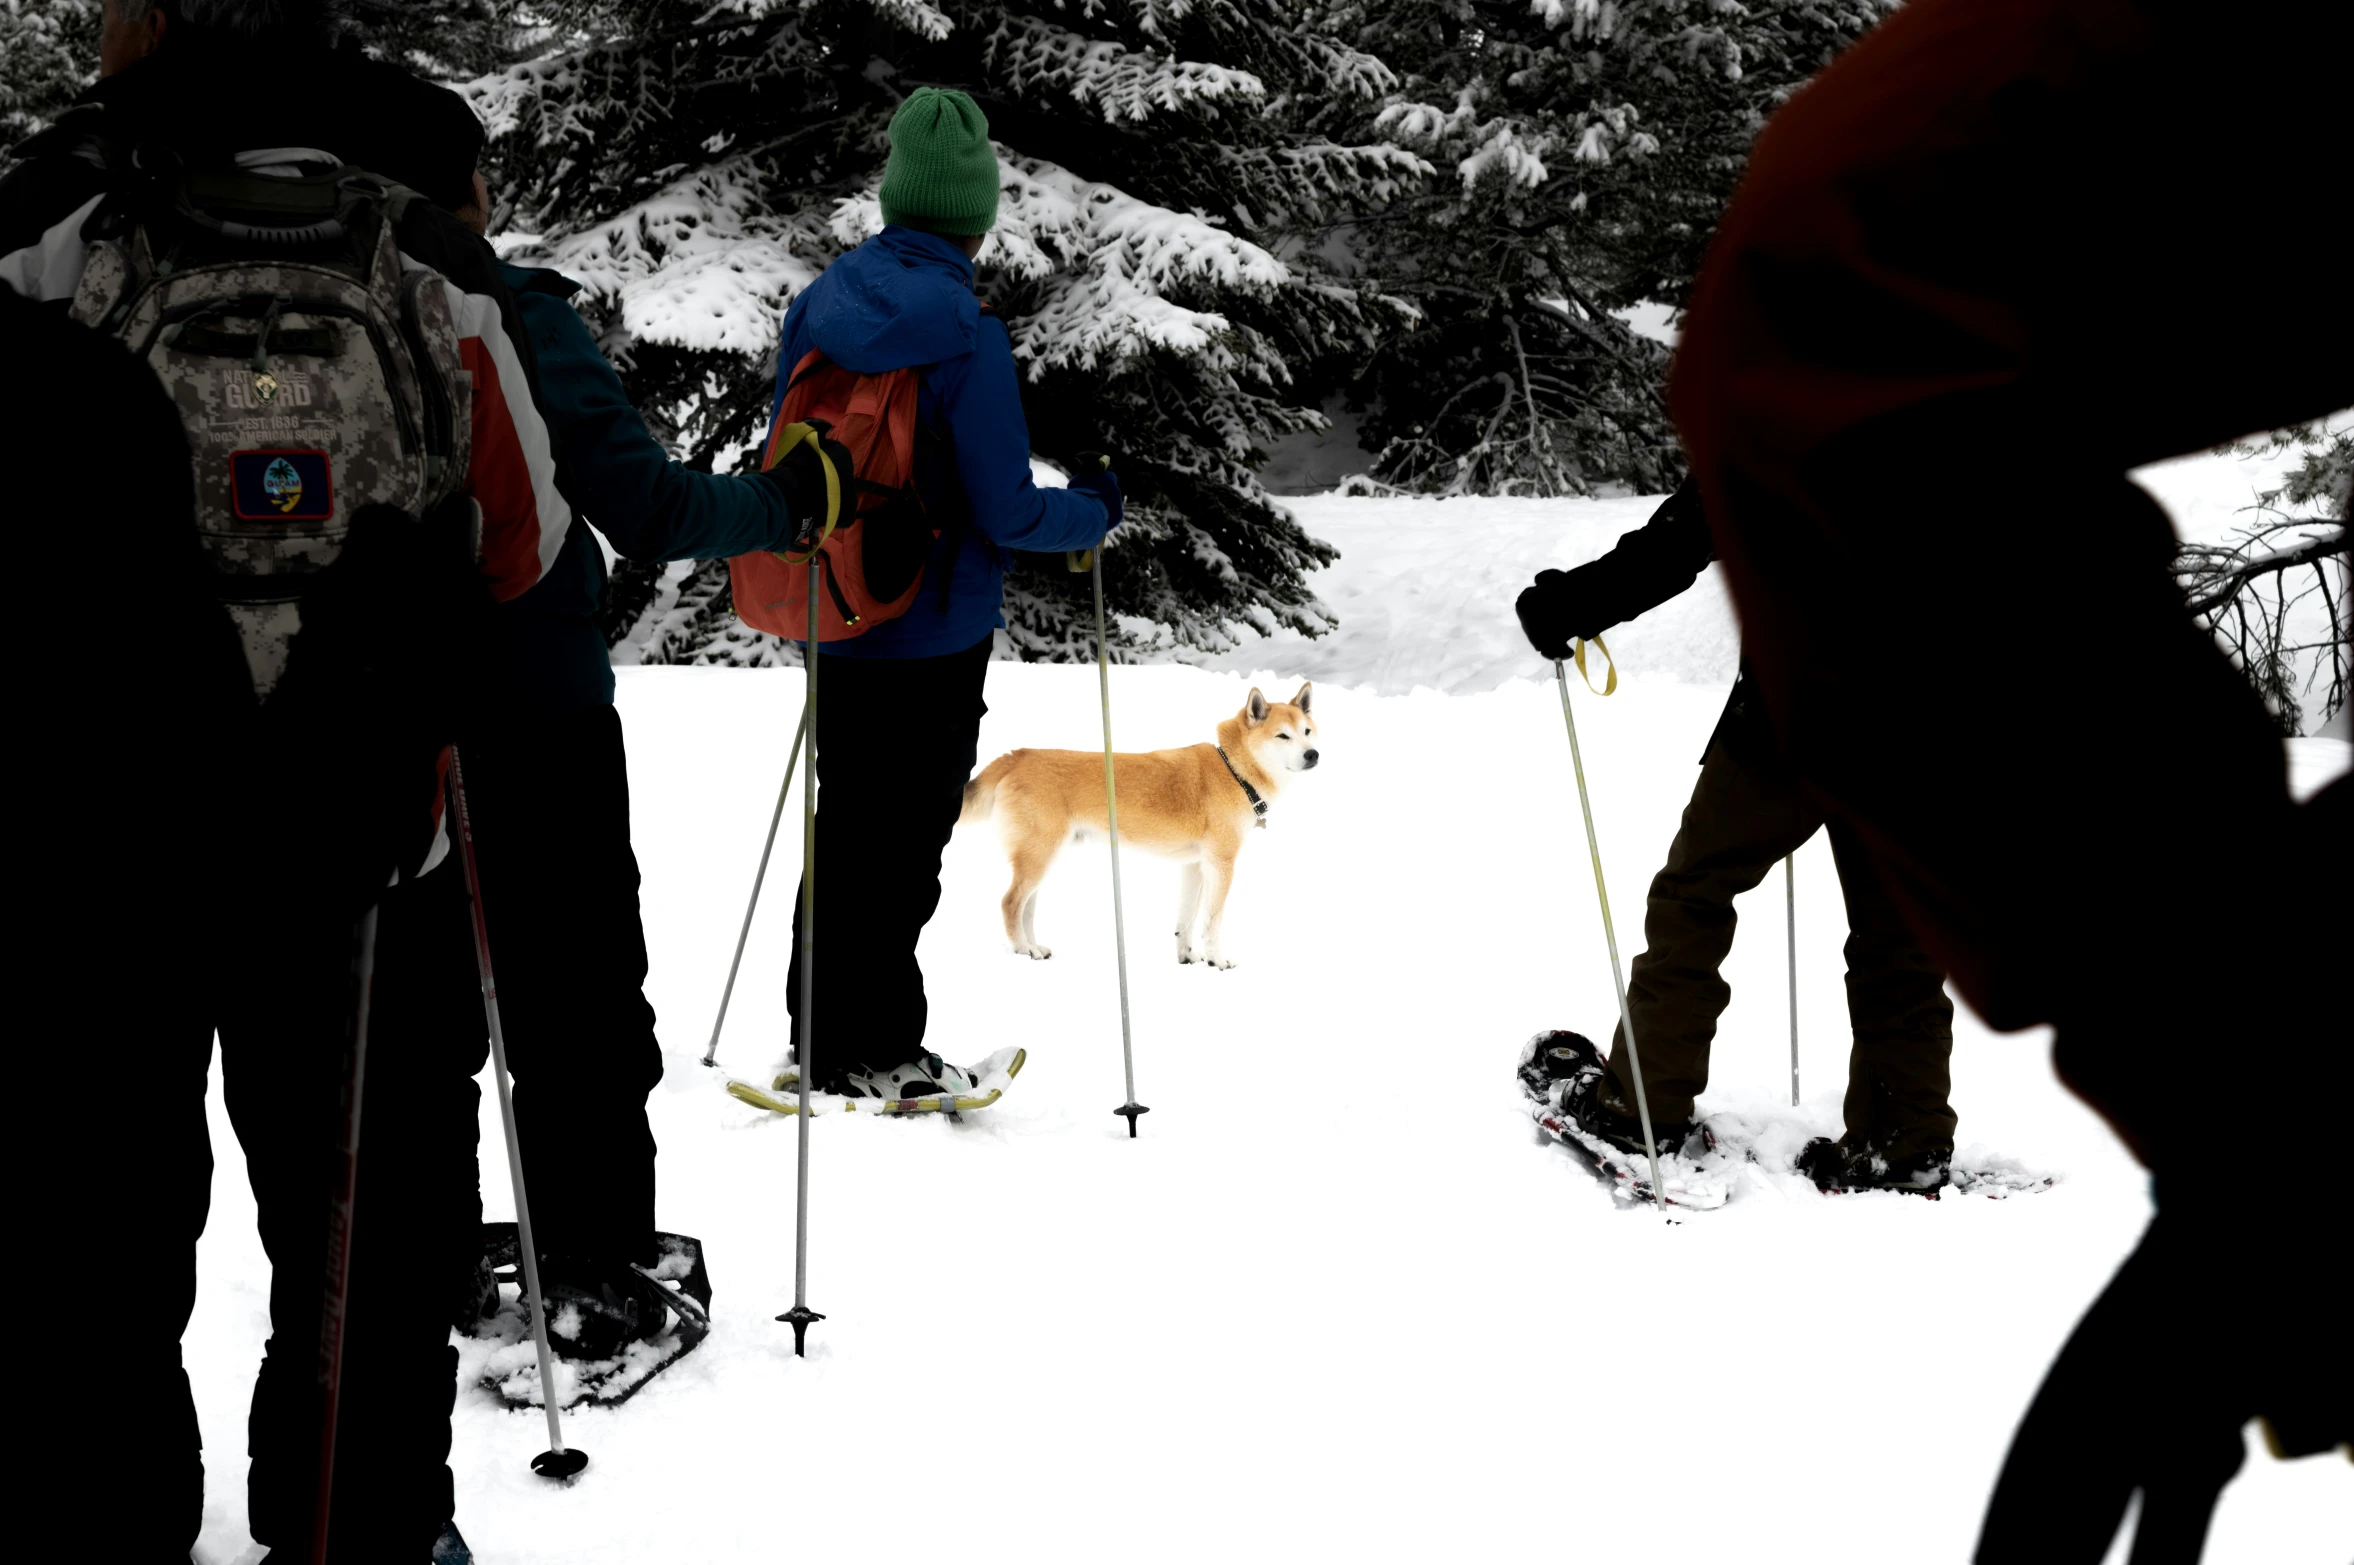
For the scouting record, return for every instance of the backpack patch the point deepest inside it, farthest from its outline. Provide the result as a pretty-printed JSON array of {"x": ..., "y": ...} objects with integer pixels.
[{"x": 282, "y": 486}]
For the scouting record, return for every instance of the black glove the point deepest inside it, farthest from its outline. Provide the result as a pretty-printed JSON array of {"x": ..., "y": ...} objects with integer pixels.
[
  {"x": 816, "y": 477},
  {"x": 1557, "y": 609},
  {"x": 1104, "y": 486}
]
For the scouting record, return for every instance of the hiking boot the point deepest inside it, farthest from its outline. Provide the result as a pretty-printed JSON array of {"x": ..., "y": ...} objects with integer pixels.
[
  {"x": 1568, "y": 1069},
  {"x": 925, "y": 1076},
  {"x": 1836, "y": 1166},
  {"x": 596, "y": 1311},
  {"x": 1672, "y": 1137}
]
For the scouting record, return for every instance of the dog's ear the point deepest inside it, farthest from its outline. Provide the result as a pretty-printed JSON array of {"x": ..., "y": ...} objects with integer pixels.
[
  {"x": 1255, "y": 709},
  {"x": 1301, "y": 700}
]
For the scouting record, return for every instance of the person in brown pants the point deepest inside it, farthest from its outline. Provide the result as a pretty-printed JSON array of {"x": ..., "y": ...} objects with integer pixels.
[
  {"x": 1748, "y": 810},
  {"x": 1976, "y": 273}
]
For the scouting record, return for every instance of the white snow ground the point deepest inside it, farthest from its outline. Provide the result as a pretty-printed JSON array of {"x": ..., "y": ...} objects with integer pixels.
[{"x": 1336, "y": 1301}]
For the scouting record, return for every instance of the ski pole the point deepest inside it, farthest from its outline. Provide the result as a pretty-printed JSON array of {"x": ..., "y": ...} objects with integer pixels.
[
  {"x": 1626, "y": 1017},
  {"x": 784, "y": 792},
  {"x": 556, "y": 1461},
  {"x": 335, "y": 1305},
  {"x": 1111, "y": 799},
  {"x": 1790, "y": 890},
  {"x": 801, "y": 1317},
  {"x": 1091, "y": 561}
]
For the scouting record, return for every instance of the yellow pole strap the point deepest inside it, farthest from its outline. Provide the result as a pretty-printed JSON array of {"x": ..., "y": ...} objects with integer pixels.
[
  {"x": 780, "y": 446},
  {"x": 1577, "y": 655}
]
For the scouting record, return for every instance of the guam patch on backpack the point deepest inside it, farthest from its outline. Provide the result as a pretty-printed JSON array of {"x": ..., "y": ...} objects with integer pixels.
[{"x": 282, "y": 485}]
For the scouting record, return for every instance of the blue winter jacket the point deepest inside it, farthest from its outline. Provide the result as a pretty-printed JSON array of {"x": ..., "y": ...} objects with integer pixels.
[
  {"x": 551, "y": 649},
  {"x": 906, "y": 297}
]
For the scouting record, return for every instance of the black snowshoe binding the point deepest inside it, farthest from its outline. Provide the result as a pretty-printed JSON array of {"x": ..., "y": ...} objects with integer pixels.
[
  {"x": 1566, "y": 1067},
  {"x": 612, "y": 1328},
  {"x": 596, "y": 1312},
  {"x": 1836, "y": 1167},
  {"x": 1562, "y": 1074},
  {"x": 925, "y": 1076}
]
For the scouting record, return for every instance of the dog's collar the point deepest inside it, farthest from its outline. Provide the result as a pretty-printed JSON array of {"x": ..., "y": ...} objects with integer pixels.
[{"x": 1258, "y": 805}]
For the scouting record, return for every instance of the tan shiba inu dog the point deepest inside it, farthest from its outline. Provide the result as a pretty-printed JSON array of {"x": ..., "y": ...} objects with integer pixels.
[{"x": 1194, "y": 805}]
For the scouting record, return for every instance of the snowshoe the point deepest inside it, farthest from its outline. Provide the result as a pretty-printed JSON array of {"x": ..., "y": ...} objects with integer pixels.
[
  {"x": 1560, "y": 1072},
  {"x": 925, "y": 1085},
  {"x": 1981, "y": 1173},
  {"x": 1836, "y": 1167},
  {"x": 611, "y": 1330}
]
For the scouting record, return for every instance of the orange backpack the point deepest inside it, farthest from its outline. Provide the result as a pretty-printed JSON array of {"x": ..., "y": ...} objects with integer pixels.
[{"x": 870, "y": 561}]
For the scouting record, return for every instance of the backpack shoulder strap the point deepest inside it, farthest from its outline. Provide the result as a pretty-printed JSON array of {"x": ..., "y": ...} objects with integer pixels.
[{"x": 811, "y": 362}]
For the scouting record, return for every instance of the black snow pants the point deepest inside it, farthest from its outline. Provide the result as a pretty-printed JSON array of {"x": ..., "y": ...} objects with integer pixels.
[
  {"x": 550, "y": 802},
  {"x": 416, "y": 1229},
  {"x": 135, "y": 1152},
  {"x": 115, "y": 1183},
  {"x": 896, "y": 743}
]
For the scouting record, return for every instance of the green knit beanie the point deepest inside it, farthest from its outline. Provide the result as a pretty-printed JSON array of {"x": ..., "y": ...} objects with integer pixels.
[{"x": 943, "y": 172}]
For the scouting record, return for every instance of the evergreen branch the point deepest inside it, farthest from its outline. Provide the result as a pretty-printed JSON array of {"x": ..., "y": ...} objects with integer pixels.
[{"x": 1124, "y": 84}]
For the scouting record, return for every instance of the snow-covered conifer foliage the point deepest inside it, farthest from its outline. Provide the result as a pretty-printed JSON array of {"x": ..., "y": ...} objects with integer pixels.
[
  {"x": 443, "y": 39},
  {"x": 1582, "y": 150},
  {"x": 48, "y": 52},
  {"x": 696, "y": 165}
]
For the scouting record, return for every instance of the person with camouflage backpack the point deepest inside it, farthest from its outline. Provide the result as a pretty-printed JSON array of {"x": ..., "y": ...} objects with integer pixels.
[{"x": 369, "y": 470}]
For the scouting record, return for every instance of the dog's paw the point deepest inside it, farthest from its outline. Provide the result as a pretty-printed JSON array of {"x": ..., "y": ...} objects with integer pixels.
[
  {"x": 1219, "y": 963},
  {"x": 1034, "y": 953}
]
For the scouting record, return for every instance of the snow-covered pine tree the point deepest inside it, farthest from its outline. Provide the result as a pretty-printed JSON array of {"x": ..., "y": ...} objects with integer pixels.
[
  {"x": 696, "y": 165},
  {"x": 1582, "y": 151},
  {"x": 48, "y": 53},
  {"x": 448, "y": 40}
]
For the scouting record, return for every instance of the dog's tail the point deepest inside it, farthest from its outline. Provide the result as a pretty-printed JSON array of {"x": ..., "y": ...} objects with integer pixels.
[{"x": 980, "y": 795}]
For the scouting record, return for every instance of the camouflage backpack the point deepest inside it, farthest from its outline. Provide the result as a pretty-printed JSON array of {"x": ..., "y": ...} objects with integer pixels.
[{"x": 314, "y": 376}]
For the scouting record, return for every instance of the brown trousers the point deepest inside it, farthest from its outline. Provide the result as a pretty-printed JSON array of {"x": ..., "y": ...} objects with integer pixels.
[{"x": 1747, "y": 812}]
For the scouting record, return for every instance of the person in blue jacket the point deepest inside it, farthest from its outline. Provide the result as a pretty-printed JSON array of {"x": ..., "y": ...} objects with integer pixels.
[
  {"x": 547, "y": 783},
  {"x": 900, "y": 725}
]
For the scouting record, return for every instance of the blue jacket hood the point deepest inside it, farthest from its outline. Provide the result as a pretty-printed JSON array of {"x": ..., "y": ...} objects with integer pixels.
[{"x": 904, "y": 297}]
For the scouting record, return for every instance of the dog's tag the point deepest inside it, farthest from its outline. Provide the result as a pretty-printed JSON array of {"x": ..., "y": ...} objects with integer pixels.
[{"x": 265, "y": 385}]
